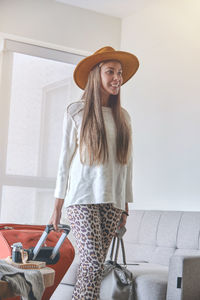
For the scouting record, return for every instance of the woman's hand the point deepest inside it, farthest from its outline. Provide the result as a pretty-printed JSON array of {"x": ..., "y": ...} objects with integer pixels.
[
  {"x": 124, "y": 217},
  {"x": 123, "y": 220},
  {"x": 55, "y": 218}
]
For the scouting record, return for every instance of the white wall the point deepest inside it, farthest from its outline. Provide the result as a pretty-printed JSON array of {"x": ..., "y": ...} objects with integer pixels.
[
  {"x": 50, "y": 22},
  {"x": 164, "y": 101}
]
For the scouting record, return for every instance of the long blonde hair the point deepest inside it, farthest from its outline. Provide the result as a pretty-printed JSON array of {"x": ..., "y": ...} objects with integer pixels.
[{"x": 93, "y": 134}]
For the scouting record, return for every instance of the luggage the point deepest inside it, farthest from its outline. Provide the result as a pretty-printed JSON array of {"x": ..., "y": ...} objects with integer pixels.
[{"x": 29, "y": 235}]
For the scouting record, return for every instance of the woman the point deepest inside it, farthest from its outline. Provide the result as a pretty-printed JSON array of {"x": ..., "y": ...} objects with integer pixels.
[{"x": 95, "y": 167}]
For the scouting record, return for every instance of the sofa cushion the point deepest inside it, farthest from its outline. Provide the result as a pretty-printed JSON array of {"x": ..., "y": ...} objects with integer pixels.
[
  {"x": 188, "y": 233},
  {"x": 142, "y": 227},
  {"x": 150, "y": 281},
  {"x": 187, "y": 252},
  {"x": 149, "y": 227},
  {"x": 168, "y": 228},
  {"x": 151, "y": 287},
  {"x": 133, "y": 226},
  {"x": 139, "y": 269},
  {"x": 137, "y": 252},
  {"x": 162, "y": 255}
]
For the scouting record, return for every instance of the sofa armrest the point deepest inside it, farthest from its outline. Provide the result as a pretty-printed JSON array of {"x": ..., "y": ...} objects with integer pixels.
[{"x": 184, "y": 278}]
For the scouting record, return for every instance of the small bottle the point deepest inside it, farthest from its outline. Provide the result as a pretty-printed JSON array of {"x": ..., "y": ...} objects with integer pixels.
[{"x": 16, "y": 252}]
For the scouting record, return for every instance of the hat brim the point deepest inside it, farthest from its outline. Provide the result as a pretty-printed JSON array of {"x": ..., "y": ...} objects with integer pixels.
[{"x": 128, "y": 61}]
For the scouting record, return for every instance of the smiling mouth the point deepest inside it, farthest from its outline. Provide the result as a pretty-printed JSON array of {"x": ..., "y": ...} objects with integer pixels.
[{"x": 115, "y": 86}]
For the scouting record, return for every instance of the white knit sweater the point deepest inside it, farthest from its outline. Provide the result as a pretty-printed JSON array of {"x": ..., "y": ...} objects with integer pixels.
[{"x": 79, "y": 183}]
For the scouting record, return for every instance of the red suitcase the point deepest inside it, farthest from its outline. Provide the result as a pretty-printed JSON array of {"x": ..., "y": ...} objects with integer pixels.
[{"x": 29, "y": 236}]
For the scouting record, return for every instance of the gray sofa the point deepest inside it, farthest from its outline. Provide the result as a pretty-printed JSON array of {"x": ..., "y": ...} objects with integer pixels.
[{"x": 163, "y": 253}]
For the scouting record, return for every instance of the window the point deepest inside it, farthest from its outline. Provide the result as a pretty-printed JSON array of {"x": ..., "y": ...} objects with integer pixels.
[{"x": 36, "y": 87}]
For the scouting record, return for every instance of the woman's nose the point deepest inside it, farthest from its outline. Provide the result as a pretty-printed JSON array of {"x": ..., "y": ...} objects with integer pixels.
[{"x": 116, "y": 76}]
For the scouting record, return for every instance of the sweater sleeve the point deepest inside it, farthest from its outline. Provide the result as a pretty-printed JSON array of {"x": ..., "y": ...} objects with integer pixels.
[{"x": 68, "y": 148}]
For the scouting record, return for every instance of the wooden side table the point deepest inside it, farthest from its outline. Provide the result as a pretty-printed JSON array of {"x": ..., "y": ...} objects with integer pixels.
[{"x": 48, "y": 276}]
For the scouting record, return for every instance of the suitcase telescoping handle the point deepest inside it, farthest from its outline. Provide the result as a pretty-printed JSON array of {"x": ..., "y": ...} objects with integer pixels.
[{"x": 66, "y": 230}]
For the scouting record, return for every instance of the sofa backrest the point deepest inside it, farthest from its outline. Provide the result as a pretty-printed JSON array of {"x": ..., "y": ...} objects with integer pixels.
[{"x": 153, "y": 236}]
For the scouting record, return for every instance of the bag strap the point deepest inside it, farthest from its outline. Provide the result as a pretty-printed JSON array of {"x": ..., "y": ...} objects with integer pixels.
[
  {"x": 123, "y": 252},
  {"x": 119, "y": 241},
  {"x": 112, "y": 248}
]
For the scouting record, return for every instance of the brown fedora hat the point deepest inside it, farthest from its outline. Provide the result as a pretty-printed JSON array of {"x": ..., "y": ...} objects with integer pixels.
[{"x": 128, "y": 61}]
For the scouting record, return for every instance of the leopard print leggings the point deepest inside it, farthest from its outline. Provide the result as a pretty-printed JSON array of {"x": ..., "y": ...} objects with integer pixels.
[{"x": 93, "y": 226}]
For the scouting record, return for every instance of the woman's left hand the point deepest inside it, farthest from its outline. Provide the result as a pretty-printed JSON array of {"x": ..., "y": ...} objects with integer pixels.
[{"x": 122, "y": 221}]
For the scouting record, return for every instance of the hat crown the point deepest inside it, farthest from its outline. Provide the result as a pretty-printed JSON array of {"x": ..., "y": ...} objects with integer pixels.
[{"x": 104, "y": 50}]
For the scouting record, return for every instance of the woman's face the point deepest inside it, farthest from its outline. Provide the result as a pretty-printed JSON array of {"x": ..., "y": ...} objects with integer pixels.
[{"x": 111, "y": 77}]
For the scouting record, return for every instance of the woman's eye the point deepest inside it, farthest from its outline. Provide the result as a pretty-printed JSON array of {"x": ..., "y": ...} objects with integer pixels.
[{"x": 112, "y": 72}]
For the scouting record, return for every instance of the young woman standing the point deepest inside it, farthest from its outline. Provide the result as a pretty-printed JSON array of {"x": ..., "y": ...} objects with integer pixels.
[{"x": 95, "y": 168}]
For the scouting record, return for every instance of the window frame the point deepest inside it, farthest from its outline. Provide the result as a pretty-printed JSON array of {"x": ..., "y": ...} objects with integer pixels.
[{"x": 6, "y": 62}]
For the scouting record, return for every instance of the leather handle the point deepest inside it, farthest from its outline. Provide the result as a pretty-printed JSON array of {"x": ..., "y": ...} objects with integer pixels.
[
  {"x": 119, "y": 242},
  {"x": 112, "y": 248},
  {"x": 123, "y": 252}
]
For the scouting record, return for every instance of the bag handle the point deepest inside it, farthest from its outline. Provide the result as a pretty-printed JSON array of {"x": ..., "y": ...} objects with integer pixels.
[{"x": 119, "y": 241}]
